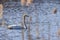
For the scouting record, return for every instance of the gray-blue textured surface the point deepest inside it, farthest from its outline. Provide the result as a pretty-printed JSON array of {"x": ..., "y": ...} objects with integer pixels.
[{"x": 46, "y": 19}]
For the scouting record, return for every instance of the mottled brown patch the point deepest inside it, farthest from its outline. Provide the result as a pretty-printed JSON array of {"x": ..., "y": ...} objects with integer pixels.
[
  {"x": 29, "y": 2},
  {"x": 54, "y": 11},
  {"x": 23, "y": 2}
]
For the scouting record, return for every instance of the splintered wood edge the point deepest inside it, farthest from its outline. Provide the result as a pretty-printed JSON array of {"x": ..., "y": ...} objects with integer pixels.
[
  {"x": 24, "y": 14},
  {"x": 1, "y": 10}
]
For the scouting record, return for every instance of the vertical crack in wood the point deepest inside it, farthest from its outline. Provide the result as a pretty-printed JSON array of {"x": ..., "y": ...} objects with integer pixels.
[
  {"x": 37, "y": 25},
  {"x": 29, "y": 34},
  {"x": 48, "y": 31},
  {"x": 23, "y": 30},
  {"x": 1, "y": 14}
]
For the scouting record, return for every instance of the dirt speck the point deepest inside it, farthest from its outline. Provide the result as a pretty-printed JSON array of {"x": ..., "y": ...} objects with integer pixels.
[{"x": 54, "y": 11}]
